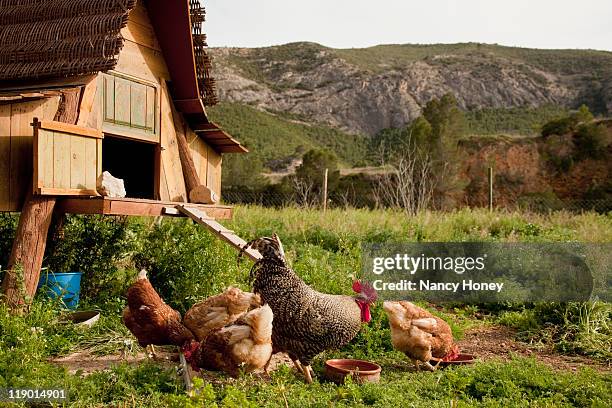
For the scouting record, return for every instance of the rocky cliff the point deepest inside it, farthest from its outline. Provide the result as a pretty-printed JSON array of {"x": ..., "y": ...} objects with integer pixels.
[{"x": 366, "y": 90}]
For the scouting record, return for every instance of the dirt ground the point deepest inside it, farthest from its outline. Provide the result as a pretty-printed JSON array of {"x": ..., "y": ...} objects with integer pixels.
[
  {"x": 88, "y": 363},
  {"x": 497, "y": 342},
  {"x": 486, "y": 343}
]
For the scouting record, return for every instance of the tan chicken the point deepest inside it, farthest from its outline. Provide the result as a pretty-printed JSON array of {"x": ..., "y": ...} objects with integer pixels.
[
  {"x": 244, "y": 346},
  {"x": 219, "y": 311},
  {"x": 151, "y": 320},
  {"x": 420, "y": 335}
]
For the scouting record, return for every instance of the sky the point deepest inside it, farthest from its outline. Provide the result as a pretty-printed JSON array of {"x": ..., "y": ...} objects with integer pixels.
[{"x": 360, "y": 23}]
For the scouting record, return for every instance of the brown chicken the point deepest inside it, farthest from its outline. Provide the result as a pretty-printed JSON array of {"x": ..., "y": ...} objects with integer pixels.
[
  {"x": 420, "y": 335},
  {"x": 306, "y": 322},
  {"x": 244, "y": 346},
  {"x": 151, "y": 320},
  {"x": 219, "y": 311}
]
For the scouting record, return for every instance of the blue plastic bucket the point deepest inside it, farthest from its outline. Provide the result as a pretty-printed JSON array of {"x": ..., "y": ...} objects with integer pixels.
[{"x": 66, "y": 285}]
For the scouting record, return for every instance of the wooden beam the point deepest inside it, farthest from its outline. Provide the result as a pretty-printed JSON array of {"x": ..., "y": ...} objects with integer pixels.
[
  {"x": 133, "y": 206},
  {"x": 202, "y": 217},
  {"x": 84, "y": 206},
  {"x": 68, "y": 110},
  {"x": 189, "y": 170},
  {"x": 66, "y": 191},
  {"x": 33, "y": 95},
  {"x": 72, "y": 129},
  {"x": 196, "y": 191},
  {"x": 88, "y": 102},
  {"x": 204, "y": 127}
]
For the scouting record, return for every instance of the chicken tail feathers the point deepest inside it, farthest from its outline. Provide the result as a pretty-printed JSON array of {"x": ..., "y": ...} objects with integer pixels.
[{"x": 261, "y": 323}]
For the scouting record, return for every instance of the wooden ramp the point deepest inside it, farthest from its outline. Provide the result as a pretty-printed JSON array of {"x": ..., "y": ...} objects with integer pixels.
[{"x": 227, "y": 235}]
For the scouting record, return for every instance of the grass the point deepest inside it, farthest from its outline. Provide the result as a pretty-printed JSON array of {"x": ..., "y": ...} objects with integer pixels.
[
  {"x": 582, "y": 328},
  {"x": 520, "y": 382},
  {"x": 186, "y": 264}
]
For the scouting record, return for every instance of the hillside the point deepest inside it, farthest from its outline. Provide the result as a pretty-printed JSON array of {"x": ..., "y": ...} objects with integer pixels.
[
  {"x": 362, "y": 91},
  {"x": 274, "y": 136}
]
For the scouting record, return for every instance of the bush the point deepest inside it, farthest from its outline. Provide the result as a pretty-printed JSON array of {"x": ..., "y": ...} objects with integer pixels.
[
  {"x": 590, "y": 140},
  {"x": 186, "y": 263},
  {"x": 559, "y": 126},
  {"x": 8, "y": 226},
  {"x": 100, "y": 247}
]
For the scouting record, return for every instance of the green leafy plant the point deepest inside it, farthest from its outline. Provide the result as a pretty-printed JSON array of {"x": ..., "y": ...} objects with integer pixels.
[{"x": 96, "y": 246}]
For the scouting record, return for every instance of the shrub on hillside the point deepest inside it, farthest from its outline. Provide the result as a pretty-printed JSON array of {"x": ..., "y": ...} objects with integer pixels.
[
  {"x": 568, "y": 123},
  {"x": 591, "y": 141},
  {"x": 559, "y": 126}
]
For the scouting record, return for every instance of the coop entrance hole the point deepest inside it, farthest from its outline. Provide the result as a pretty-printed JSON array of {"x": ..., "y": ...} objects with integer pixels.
[{"x": 134, "y": 162}]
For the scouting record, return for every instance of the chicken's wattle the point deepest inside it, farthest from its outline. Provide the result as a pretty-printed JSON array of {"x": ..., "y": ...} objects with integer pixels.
[
  {"x": 365, "y": 311},
  {"x": 189, "y": 351},
  {"x": 452, "y": 355}
]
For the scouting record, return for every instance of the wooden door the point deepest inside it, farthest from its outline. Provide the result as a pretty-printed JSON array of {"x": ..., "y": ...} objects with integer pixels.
[{"x": 67, "y": 159}]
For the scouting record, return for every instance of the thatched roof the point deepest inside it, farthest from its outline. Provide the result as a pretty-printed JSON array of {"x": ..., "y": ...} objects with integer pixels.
[
  {"x": 46, "y": 39},
  {"x": 59, "y": 38},
  {"x": 60, "y": 42}
]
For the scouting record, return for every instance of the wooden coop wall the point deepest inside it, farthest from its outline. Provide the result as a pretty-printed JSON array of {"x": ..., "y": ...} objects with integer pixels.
[
  {"x": 141, "y": 60},
  {"x": 207, "y": 162},
  {"x": 16, "y": 154}
]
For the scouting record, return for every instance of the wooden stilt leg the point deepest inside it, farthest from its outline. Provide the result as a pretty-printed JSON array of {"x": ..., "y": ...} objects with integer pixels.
[{"x": 23, "y": 271}]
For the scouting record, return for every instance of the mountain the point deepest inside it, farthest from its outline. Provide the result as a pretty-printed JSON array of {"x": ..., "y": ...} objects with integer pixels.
[{"x": 362, "y": 91}]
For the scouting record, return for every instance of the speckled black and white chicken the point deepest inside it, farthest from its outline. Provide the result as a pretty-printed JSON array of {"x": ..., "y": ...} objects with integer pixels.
[{"x": 306, "y": 322}]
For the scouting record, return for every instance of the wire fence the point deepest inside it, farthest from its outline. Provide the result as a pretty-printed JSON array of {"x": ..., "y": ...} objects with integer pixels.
[{"x": 337, "y": 200}]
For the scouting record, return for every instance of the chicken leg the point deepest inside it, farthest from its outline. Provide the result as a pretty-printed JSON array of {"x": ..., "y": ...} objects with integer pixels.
[
  {"x": 308, "y": 372},
  {"x": 151, "y": 352},
  {"x": 267, "y": 366},
  {"x": 298, "y": 366},
  {"x": 184, "y": 372},
  {"x": 427, "y": 365}
]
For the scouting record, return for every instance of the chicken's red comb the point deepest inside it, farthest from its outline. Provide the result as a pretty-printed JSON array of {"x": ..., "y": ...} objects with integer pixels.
[{"x": 366, "y": 289}]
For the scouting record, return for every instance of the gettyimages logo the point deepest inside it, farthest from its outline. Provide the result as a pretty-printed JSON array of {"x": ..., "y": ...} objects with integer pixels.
[
  {"x": 489, "y": 272},
  {"x": 413, "y": 264}
]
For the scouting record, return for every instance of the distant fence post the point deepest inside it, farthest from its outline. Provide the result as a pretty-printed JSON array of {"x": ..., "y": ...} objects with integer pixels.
[
  {"x": 490, "y": 188},
  {"x": 325, "y": 190}
]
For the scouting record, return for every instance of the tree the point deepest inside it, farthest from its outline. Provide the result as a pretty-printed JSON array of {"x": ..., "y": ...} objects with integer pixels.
[
  {"x": 568, "y": 123},
  {"x": 243, "y": 172},
  {"x": 308, "y": 179},
  {"x": 420, "y": 132},
  {"x": 447, "y": 122},
  {"x": 448, "y": 125},
  {"x": 591, "y": 141},
  {"x": 313, "y": 167},
  {"x": 583, "y": 115},
  {"x": 409, "y": 184}
]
